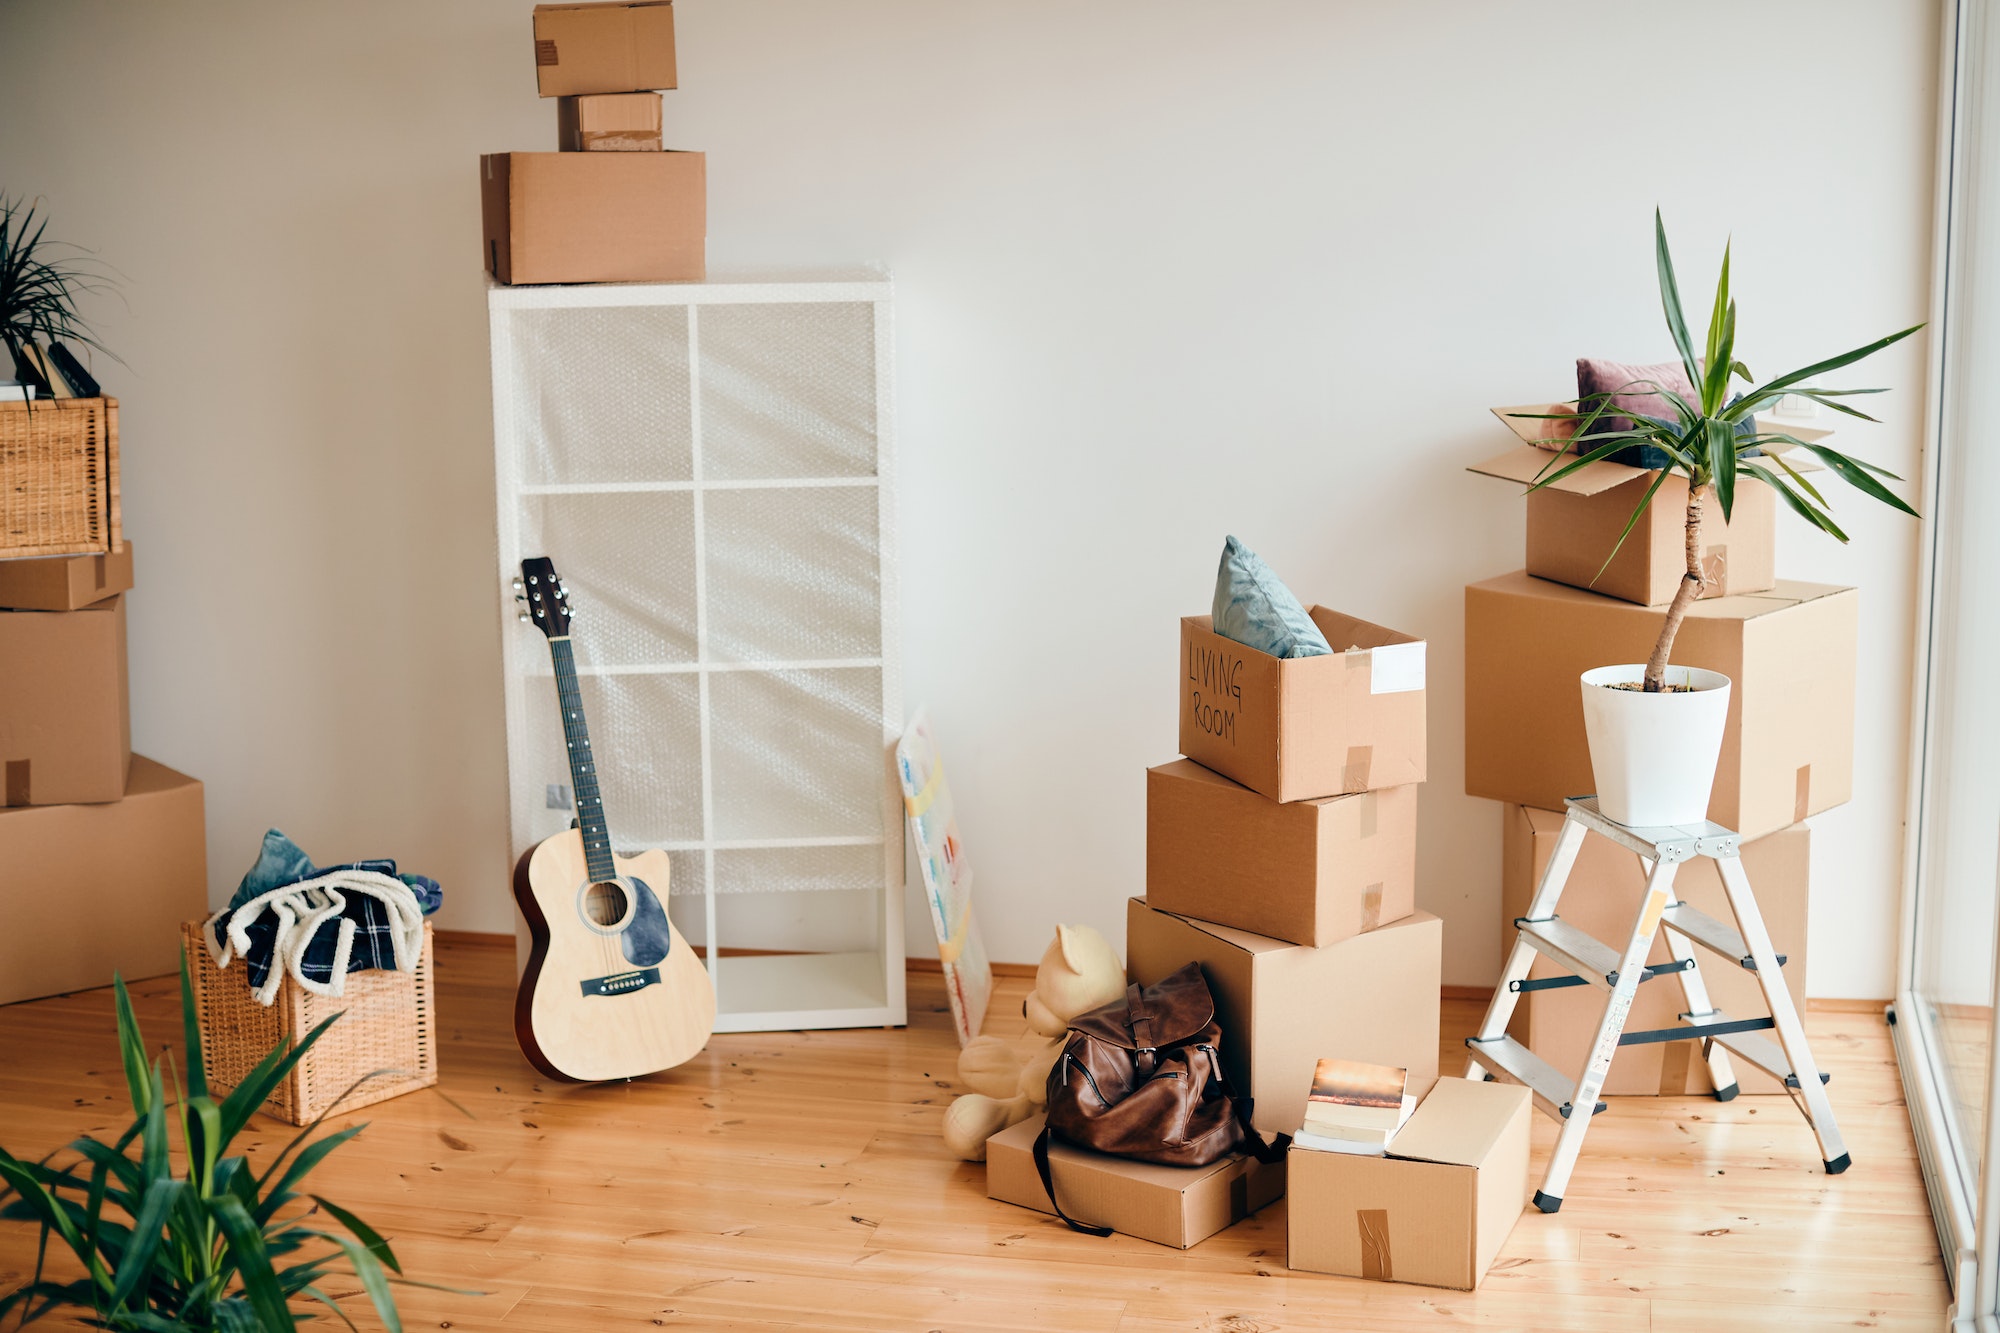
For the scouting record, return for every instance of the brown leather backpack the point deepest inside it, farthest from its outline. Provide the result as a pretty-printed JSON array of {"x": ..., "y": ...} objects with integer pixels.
[{"x": 1142, "y": 1078}]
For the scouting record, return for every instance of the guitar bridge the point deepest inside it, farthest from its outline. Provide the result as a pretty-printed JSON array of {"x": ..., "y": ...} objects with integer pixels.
[{"x": 620, "y": 983}]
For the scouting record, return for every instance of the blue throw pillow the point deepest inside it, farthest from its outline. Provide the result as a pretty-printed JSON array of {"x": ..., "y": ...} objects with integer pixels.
[{"x": 1255, "y": 608}]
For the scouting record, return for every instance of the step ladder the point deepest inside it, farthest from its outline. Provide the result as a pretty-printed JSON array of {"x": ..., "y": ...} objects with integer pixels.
[{"x": 1620, "y": 974}]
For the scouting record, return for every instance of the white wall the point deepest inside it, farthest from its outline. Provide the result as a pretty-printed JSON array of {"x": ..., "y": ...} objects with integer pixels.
[{"x": 1165, "y": 270}]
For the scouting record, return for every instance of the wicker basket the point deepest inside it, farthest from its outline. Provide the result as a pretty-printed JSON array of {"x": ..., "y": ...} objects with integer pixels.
[
  {"x": 388, "y": 1024},
  {"x": 59, "y": 477}
]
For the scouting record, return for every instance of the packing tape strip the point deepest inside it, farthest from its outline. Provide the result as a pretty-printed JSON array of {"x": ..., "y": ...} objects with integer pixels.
[
  {"x": 1715, "y": 568},
  {"x": 1354, "y": 774},
  {"x": 1365, "y": 817},
  {"x": 620, "y": 141},
  {"x": 1374, "y": 1226},
  {"x": 17, "y": 781},
  {"x": 545, "y": 52},
  {"x": 1802, "y": 794},
  {"x": 1371, "y": 908}
]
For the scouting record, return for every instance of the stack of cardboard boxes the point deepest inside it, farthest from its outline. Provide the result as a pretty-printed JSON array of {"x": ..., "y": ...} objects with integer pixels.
[
  {"x": 102, "y": 852},
  {"x": 1789, "y": 648},
  {"x": 613, "y": 205},
  {"x": 1281, "y": 856}
]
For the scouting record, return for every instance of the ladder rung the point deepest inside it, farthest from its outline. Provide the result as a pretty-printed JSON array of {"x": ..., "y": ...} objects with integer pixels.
[
  {"x": 1504, "y": 1055},
  {"x": 1709, "y": 933},
  {"x": 1595, "y": 962},
  {"x": 1762, "y": 1052},
  {"x": 1653, "y": 970}
]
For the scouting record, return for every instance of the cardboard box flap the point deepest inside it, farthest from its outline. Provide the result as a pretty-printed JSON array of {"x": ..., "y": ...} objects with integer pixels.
[
  {"x": 1528, "y": 462},
  {"x": 1458, "y": 1123},
  {"x": 1749, "y": 605},
  {"x": 1230, "y": 935},
  {"x": 1345, "y": 633},
  {"x": 1543, "y": 436}
]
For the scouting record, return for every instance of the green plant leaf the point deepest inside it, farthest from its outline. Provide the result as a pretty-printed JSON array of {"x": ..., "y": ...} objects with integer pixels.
[
  {"x": 1645, "y": 502},
  {"x": 309, "y": 1157},
  {"x": 1823, "y": 521},
  {"x": 131, "y": 1048},
  {"x": 247, "y": 1096},
  {"x": 1721, "y": 445},
  {"x": 1784, "y": 383},
  {"x": 372, "y": 1281},
  {"x": 1796, "y": 477},
  {"x": 1859, "y": 477},
  {"x": 1670, "y": 301},
  {"x": 136, "y": 1264},
  {"x": 252, "y": 1263},
  {"x": 330, "y": 1304},
  {"x": 197, "y": 1075},
  {"x": 365, "y": 1233}
]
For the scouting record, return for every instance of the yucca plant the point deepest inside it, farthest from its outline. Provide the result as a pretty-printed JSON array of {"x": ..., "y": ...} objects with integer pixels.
[
  {"x": 212, "y": 1245},
  {"x": 1706, "y": 441},
  {"x": 40, "y": 280}
]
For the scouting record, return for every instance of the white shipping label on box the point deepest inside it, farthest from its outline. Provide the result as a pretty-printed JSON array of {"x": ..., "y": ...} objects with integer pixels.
[{"x": 1396, "y": 668}]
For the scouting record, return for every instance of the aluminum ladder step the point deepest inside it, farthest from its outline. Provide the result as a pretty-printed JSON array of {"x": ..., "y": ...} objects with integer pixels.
[
  {"x": 1591, "y": 959},
  {"x": 1710, "y": 934},
  {"x": 1551, "y": 1088},
  {"x": 1762, "y": 1052}
]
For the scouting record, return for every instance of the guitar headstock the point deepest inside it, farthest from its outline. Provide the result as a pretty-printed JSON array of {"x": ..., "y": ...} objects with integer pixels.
[{"x": 542, "y": 594}]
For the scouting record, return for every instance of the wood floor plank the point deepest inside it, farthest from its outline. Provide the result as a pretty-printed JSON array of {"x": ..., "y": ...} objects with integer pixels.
[{"x": 795, "y": 1181}]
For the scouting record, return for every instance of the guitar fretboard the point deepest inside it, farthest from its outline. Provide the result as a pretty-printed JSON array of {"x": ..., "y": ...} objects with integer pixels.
[{"x": 582, "y": 766}]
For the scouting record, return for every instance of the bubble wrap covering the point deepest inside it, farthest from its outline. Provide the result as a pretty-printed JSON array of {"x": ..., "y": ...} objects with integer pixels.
[{"x": 784, "y": 640}]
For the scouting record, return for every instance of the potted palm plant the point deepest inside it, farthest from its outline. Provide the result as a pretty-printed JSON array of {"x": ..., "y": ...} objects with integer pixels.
[
  {"x": 1655, "y": 730},
  {"x": 192, "y": 1239}
]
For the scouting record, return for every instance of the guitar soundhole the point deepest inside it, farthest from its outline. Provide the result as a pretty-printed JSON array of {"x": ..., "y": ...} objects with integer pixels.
[{"x": 606, "y": 904}]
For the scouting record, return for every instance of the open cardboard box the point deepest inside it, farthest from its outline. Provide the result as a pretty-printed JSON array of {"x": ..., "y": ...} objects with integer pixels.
[
  {"x": 1312, "y": 872},
  {"x": 88, "y": 890},
  {"x": 1284, "y": 1006},
  {"x": 1605, "y": 889},
  {"x": 1435, "y": 1210},
  {"x": 626, "y": 46},
  {"x": 1169, "y": 1205},
  {"x": 595, "y": 217},
  {"x": 65, "y": 714},
  {"x": 1574, "y": 524},
  {"x": 1303, "y": 727},
  {"x": 1787, "y": 751}
]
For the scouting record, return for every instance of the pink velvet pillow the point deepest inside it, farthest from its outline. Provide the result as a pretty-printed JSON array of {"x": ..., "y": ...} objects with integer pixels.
[{"x": 1631, "y": 388}]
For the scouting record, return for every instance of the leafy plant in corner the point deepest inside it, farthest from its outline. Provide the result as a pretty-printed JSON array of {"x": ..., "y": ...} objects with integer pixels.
[
  {"x": 39, "y": 282},
  {"x": 1705, "y": 442},
  {"x": 200, "y": 1249}
]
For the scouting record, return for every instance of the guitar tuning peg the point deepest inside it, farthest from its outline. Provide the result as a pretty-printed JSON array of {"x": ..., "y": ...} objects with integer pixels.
[
  {"x": 518, "y": 585},
  {"x": 524, "y": 618}
]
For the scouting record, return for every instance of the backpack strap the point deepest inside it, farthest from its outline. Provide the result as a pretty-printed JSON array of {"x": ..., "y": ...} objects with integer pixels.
[
  {"x": 1267, "y": 1153},
  {"x": 1049, "y": 1184},
  {"x": 1140, "y": 1020}
]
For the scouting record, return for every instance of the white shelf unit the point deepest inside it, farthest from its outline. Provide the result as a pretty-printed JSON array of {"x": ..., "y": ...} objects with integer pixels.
[{"x": 710, "y": 465}]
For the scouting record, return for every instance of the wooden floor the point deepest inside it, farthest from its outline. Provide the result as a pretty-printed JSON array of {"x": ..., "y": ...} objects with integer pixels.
[{"x": 795, "y": 1180}]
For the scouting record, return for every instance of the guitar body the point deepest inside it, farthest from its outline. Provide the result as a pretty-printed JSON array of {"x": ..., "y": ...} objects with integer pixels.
[{"x": 611, "y": 989}]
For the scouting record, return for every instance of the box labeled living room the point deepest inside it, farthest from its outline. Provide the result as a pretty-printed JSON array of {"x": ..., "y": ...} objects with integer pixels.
[{"x": 1053, "y": 667}]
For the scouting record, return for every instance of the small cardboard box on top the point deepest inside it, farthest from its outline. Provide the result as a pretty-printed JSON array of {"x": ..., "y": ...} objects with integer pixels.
[
  {"x": 1294, "y": 729},
  {"x": 1574, "y": 524},
  {"x": 64, "y": 582},
  {"x": 1312, "y": 872},
  {"x": 1283, "y": 1006},
  {"x": 1434, "y": 1211},
  {"x": 1169, "y": 1205},
  {"x": 621, "y": 47},
  {"x": 1787, "y": 752},
  {"x": 609, "y": 123},
  {"x": 1601, "y": 899},
  {"x": 65, "y": 714},
  {"x": 140, "y": 865},
  {"x": 595, "y": 217}
]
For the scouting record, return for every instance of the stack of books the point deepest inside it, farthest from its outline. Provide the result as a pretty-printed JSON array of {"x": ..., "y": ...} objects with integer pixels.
[{"x": 1355, "y": 1107}]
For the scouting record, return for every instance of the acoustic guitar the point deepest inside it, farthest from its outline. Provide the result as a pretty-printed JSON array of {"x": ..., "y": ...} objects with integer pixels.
[{"x": 611, "y": 989}]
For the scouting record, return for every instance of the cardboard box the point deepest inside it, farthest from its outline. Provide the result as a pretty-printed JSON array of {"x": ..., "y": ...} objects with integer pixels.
[
  {"x": 595, "y": 217},
  {"x": 1312, "y": 872},
  {"x": 1602, "y": 899},
  {"x": 1574, "y": 526},
  {"x": 1284, "y": 1006},
  {"x": 604, "y": 48},
  {"x": 1170, "y": 1205},
  {"x": 64, "y": 582},
  {"x": 609, "y": 123},
  {"x": 1435, "y": 1211},
  {"x": 138, "y": 868},
  {"x": 1788, "y": 751},
  {"x": 65, "y": 717},
  {"x": 1299, "y": 728}
]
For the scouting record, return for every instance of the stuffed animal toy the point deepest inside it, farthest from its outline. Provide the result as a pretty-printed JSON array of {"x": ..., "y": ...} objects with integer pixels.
[{"x": 1079, "y": 973}]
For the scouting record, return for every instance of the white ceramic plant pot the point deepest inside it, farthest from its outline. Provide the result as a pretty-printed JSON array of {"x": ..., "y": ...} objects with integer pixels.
[{"x": 1654, "y": 755}]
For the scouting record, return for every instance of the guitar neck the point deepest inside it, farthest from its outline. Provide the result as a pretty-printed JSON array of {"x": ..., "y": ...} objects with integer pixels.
[{"x": 582, "y": 766}]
